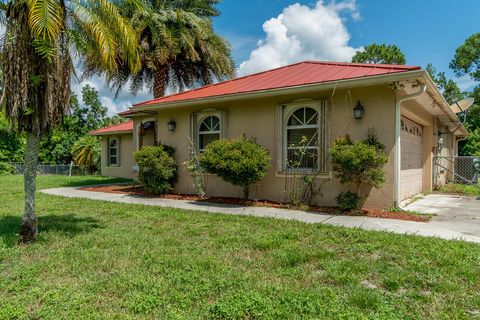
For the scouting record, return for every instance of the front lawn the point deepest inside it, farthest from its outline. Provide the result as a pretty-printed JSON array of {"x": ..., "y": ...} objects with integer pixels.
[{"x": 108, "y": 260}]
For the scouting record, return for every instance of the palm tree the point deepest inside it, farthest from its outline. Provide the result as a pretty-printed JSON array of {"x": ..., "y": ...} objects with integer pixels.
[
  {"x": 86, "y": 152},
  {"x": 40, "y": 38},
  {"x": 179, "y": 47}
]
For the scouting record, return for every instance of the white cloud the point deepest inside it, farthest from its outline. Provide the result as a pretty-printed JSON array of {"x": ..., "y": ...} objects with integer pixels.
[{"x": 301, "y": 32}]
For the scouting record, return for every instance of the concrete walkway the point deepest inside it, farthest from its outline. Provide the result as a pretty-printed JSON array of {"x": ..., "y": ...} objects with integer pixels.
[{"x": 437, "y": 229}]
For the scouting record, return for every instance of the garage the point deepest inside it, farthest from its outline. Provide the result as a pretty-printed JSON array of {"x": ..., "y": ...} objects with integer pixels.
[{"x": 411, "y": 175}]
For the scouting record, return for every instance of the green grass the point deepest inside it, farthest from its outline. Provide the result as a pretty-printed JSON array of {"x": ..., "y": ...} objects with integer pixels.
[
  {"x": 457, "y": 188},
  {"x": 107, "y": 260}
]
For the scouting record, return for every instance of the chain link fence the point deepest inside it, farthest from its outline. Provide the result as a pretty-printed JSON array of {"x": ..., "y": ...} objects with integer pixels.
[
  {"x": 54, "y": 169},
  {"x": 460, "y": 169}
]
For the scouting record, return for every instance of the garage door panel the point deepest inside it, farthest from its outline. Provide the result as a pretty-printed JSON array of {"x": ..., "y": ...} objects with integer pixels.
[{"x": 411, "y": 176}]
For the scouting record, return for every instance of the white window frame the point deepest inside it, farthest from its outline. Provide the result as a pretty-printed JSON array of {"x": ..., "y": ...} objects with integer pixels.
[
  {"x": 284, "y": 112},
  {"x": 109, "y": 163},
  {"x": 198, "y": 118}
]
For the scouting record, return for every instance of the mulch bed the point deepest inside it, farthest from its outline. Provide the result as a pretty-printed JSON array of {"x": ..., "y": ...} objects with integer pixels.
[{"x": 137, "y": 190}]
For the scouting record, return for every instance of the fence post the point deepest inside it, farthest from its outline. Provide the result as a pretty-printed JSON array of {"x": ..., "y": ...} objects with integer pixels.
[{"x": 70, "y": 171}]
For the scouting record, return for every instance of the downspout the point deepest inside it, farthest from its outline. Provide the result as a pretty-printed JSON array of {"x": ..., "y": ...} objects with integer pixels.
[
  {"x": 398, "y": 155},
  {"x": 457, "y": 145}
]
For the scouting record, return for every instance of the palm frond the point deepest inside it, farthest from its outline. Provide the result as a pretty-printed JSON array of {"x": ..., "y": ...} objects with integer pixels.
[
  {"x": 102, "y": 28},
  {"x": 46, "y": 18}
]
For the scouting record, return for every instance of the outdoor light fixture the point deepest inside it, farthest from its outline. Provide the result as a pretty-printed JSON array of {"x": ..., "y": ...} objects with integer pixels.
[
  {"x": 358, "y": 111},
  {"x": 171, "y": 125}
]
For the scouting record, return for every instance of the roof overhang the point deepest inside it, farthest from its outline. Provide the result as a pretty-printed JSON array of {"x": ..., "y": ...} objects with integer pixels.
[
  {"x": 309, "y": 88},
  {"x": 448, "y": 117},
  {"x": 110, "y": 133}
]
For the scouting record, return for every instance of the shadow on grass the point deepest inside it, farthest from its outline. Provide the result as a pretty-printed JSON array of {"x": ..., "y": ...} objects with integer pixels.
[
  {"x": 93, "y": 182},
  {"x": 68, "y": 225}
]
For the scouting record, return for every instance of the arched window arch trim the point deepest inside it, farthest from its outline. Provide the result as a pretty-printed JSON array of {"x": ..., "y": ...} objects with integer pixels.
[{"x": 206, "y": 127}]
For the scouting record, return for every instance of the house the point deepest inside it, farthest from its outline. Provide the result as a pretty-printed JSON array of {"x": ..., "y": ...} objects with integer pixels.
[{"x": 402, "y": 103}]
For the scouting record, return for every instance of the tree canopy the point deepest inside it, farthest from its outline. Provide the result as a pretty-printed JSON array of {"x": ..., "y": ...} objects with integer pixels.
[
  {"x": 466, "y": 62},
  {"x": 12, "y": 144},
  {"x": 380, "y": 53},
  {"x": 179, "y": 48},
  {"x": 467, "y": 58},
  {"x": 56, "y": 147},
  {"x": 448, "y": 87}
]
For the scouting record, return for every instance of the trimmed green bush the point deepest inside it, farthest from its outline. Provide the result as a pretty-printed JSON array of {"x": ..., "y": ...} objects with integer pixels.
[
  {"x": 358, "y": 162},
  {"x": 349, "y": 201},
  {"x": 239, "y": 161},
  {"x": 6, "y": 169},
  {"x": 158, "y": 170}
]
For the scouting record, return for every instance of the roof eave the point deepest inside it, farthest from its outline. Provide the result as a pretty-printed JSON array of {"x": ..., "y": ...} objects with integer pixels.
[
  {"x": 110, "y": 133},
  {"x": 444, "y": 105},
  {"x": 357, "y": 82}
]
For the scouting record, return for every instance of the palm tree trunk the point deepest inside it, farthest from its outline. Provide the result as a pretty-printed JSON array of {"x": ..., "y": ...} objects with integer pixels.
[
  {"x": 29, "y": 226},
  {"x": 160, "y": 79}
]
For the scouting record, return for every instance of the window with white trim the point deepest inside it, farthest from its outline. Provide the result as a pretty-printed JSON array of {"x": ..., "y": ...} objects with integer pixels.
[
  {"x": 113, "y": 152},
  {"x": 304, "y": 137},
  {"x": 208, "y": 127}
]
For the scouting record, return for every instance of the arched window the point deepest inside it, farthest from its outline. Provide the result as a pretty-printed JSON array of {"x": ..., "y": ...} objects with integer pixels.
[
  {"x": 209, "y": 129},
  {"x": 113, "y": 154},
  {"x": 302, "y": 138}
]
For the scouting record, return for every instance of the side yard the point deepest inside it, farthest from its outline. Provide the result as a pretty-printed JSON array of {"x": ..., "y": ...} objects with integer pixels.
[
  {"x": 123, "y": 261},
  {"x": 462, "y": 189}
]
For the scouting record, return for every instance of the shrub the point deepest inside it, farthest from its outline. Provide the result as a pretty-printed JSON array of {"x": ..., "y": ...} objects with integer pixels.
[
  {"x": 240, "y": 161},
  {"x": 359, "y": 163},
  {"x": 372, "y": 140},
  {"x": 6, "y": 169},
  {"x": 158, "y": 170},
  {"x": 349, "y": 200}
]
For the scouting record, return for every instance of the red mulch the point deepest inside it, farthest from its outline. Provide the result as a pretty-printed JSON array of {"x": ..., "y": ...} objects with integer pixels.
[{"x": 136, "y": 190}]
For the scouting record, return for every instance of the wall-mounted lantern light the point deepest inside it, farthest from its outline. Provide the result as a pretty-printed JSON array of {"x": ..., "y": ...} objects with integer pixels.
[
  {"x": 171, "y": 125},
  {"x": 358, "y": 111}
]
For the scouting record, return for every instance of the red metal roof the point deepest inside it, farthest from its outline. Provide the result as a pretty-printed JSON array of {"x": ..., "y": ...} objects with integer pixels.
[
  {"x": 122, "y": 127},
  {"x": 302, "y": 73}
]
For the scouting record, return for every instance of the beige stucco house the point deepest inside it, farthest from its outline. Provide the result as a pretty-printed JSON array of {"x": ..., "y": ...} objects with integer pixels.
[{"x": 400, "y": 102}]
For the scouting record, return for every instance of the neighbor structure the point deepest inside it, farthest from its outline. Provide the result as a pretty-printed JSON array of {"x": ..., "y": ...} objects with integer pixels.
[{"x": 319, "y": 100}]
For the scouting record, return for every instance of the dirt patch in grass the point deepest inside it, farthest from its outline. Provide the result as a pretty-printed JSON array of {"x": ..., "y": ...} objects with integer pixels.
[{"x": 137, "y": 190}]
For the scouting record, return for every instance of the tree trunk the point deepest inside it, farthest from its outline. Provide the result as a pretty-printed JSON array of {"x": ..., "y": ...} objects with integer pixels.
[
  {"x": 160, "y": 80},
  {"x": 29, "y": 226},
  {"x": 246, "y": 192}
]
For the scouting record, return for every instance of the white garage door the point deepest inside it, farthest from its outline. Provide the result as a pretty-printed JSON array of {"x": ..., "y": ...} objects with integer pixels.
[{"x": 411, "y": 177}]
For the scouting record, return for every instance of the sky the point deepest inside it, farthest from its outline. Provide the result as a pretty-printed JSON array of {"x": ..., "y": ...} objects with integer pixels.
[{"x": 270, "y": 33}]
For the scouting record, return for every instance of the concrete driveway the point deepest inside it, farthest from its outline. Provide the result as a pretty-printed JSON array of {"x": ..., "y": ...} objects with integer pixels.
[{"x": 453, "y": 212}]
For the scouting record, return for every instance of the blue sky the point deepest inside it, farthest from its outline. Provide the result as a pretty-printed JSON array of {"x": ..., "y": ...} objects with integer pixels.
[
  {"x": 425, "y": 30},
  {"x": 270, "y": 33}
]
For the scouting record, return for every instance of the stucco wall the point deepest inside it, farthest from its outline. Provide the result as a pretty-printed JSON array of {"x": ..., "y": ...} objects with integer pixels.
[
  {"x": 446, "y": 163},
  {"x": 125, "y": 168},
  {"x": 258, "y": 118}
]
